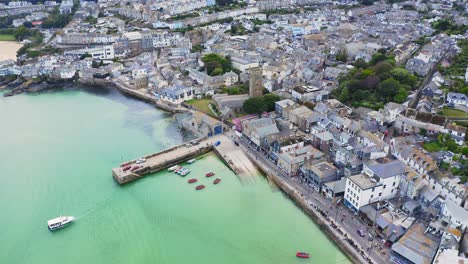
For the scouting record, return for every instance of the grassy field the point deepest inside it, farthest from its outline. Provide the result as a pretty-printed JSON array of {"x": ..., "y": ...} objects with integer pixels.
[
  {"x": 7, "y": 37},
  {"x": 451, "y": 112},
  {"x": 201, "y": 105}
]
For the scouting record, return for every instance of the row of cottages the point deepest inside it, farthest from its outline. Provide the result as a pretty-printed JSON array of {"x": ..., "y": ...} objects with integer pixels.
[
  {"x": 412, "y": 156},
  {"x": 290, "y": 161}
]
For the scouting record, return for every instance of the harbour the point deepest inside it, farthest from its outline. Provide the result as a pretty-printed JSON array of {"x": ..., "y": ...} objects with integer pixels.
[
  {"x": 150, "y": 220},
  {"x": 226, "y": 150}
]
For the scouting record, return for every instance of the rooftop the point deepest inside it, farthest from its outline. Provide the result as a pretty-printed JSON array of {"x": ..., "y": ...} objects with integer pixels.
[
  {"x": 416, "y": 246},
  {"x": 363, "y": 181}
]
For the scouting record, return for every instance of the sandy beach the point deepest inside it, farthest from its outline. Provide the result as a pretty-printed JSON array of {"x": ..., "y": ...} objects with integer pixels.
[{"x": 8, "y": 50}]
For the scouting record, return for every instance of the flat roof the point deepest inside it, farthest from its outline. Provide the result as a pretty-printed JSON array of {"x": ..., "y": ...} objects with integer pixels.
[{"x": 363, "y": 181}]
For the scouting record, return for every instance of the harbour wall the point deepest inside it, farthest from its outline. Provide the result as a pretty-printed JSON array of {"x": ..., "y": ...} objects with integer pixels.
[{"x": 172, "y": 156}]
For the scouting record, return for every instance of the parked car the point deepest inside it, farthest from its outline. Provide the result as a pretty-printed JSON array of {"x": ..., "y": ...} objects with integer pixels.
[{"x": 361, "y": 233}]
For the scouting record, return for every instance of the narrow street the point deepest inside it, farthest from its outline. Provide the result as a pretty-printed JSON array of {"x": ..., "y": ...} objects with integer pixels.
[{"x": 341, "y": 215}]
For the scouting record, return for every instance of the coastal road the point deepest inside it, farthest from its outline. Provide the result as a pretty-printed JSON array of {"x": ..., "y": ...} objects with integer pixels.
[{"x": 350, "y": 224}]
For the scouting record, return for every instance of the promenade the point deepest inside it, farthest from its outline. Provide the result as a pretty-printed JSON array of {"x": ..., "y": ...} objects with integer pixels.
[{"x": 337, "y": 221}]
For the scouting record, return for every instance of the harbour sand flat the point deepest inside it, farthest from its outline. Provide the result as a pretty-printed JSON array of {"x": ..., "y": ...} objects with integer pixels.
[{"x": 9, "y": 49}]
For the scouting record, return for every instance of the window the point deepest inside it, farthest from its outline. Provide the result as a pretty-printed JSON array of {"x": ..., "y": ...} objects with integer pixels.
[
  {"x": 373, "y": 188},
  {"x": 385, "y": 186},
  {"x": 380, "y": 194},
  {"x": 394, "y": 183},
  {"x": 372, "y": 196}
]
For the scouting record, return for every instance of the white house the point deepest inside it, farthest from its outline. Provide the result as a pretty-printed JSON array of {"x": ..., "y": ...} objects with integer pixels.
[
  {"x": 177, "y": 94},
  {"x": 100, "y": 52},
  {"x": 457, "y": 99},
  {"x": 448, "y": 189},
  {"x": 454, "y": 215},
  {"x": 377, "y": 182},
  {"x": 457, "y": 132}
]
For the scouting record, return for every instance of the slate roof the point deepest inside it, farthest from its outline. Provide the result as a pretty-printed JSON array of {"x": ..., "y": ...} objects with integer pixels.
[
  {"x": 415, "y": 246},
  {"x": 389, "y": 169}
]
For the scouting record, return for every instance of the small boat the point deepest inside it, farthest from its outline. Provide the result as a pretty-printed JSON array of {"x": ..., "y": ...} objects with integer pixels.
[
  {"x": 184, "y": 172},
  {"x": 217, "y": 181},
  {"x": 59, "y": 222},
  {"x": 135, "y": 168},
  {"x": 192, "y": 180},
  {"x": 302, "y": 255},
  {"x": 179, "y": 170},
  {"x": 191, "y": 161},
  {"x": 173, "y": 168},
  {"x": 126, "y": 168},
  {"x": 199, "y": 187},
  {"x": 209, "y": 174}
]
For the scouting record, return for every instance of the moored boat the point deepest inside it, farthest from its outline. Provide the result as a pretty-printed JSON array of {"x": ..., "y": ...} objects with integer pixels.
[
  {"x": 302, "y": 255},
  {"x": 217, "y": 181},
  {"x": 190, "y": 161},
  {"x": 59, "y": 222},
  {"x": 173, "y": 168},
  {"x": 199, "y": 187},
  {"x": 192, "y": 180},
  {"x": 184, "y": 172},
  {"x": 209, "y": 174},
  {"x": 178, "y": 169}
]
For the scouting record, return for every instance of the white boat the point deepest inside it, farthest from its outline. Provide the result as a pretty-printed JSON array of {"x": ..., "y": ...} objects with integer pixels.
[
  {"x": 173, "y": 168},
  {"x": 185, "y": 172},
  {"x": 191, "y": 161},
  {"x": 59, "y": 222},
  {"x": 139, "y": 161}
]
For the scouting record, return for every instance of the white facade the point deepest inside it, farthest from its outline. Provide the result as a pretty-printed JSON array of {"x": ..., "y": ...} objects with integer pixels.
[
  {"x": 369, "y": 187},
  {"x": 448, "y": 189},
  {"x": 101, "y": 52}
]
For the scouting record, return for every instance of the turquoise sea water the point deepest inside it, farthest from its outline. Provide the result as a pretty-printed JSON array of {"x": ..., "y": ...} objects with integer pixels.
[{"x": 56, "y": 154}]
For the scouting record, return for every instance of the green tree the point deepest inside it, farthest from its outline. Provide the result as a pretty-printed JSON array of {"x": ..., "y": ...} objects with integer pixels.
[
  {"x": 465, "y": 151},
  {"x": 214, "y": 62},
  {"x": 255, "y": 105},
  {"x": 342, "y": 56},
  {"x": 377, "y": 57},
  {"x": 387, "y": 89},
  {"x": 217, "y": 71},
  {"x": 403, "y": 76},
  {"x": 270, "y": 100},
  {"x": 360, "y": 63},
  {"x": 344, "y": 95},
  {"x": 401, "y": 96}
]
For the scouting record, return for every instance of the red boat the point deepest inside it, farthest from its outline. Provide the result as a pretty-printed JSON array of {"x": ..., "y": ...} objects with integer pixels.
[
  {"x": 192, "y": 180},
  {"x": 217, "y": 181},
  {"x": 135, "y": 168},
  {"x": 126, "y": 168},
  {"x": 302, "y": 255},
  {"x": 199, "y": 187},
  {"x": 209, "y": 174}
]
